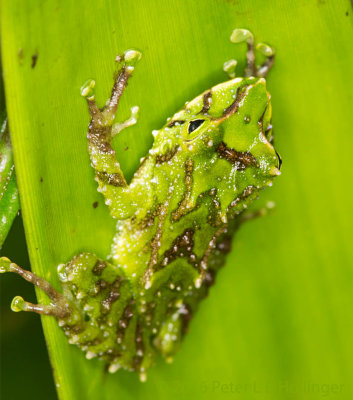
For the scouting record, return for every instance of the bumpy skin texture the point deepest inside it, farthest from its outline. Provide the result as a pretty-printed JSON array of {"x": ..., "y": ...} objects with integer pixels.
[{"x": 175, "y": 220}]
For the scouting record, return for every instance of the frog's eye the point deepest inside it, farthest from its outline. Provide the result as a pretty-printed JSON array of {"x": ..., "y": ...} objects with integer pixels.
[
  {"x": 193, "y": 125},
  {"x": 192, "y": 129}
]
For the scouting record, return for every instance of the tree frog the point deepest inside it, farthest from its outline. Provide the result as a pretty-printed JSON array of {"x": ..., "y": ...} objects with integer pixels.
[{"x": 175, "y": 220}]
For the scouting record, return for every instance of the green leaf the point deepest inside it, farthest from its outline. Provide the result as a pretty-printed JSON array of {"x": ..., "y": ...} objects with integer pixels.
[
  {"x": 279, "y": 319},
  {"x": 9, "y": 201}
]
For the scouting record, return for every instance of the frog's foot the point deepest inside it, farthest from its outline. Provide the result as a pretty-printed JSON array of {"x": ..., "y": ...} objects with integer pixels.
[
  {"x": 229, "y": 68},
  {"x": 243, "y": 35},
  {"x": 60, "y": 308},
  {"x": 105, "y": 116}
]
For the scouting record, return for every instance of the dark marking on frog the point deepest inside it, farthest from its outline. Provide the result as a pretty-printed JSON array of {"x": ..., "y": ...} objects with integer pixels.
[
  {"x": 181, "y": 247},
  {"x": 150, "y": 217},
  {"x": 99, "y": 267},
  {"x": 225, "y": 245},
  {"x": 233, "y": 108},
  {"x": 98, "y": 137},
  {"x": 210, "y": 278},
  {"x": 123, "y": 322},
  {"x": 113, "y": 296},
  {"x": 207, "y": 100},
  {"x": 99, "y": 285},
  {"x": 139, "y": 347},
  {"x": 209, "y": 250},
  {"x": 182, "y": 209},
  {"x": 214, "y": 217},
  {"x": 186, "y": 317},
  {"x": 245, "y": 194},
  {"x": 163, "y": 158},
  {"x": 242, "y": 159},
  {"x": 175, "y": 122},
  {"x": 111, "y": 179},
  {"x": 155, "y": 242},
  {"x": 93, "y": 342}
]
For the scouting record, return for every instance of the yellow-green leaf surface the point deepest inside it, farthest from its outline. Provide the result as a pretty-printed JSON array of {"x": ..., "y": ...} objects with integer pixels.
[{"x": 278, "y": 324}]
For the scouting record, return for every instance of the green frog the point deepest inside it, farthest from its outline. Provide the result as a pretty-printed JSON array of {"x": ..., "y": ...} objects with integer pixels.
[{"x": 175, "y": 219}]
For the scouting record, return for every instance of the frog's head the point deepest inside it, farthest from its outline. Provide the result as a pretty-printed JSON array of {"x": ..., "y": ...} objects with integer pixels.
[{"x": 226, "y": 131}]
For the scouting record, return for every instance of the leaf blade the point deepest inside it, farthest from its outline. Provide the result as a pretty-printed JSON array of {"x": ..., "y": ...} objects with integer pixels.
[{"x": 184, "y": 47}]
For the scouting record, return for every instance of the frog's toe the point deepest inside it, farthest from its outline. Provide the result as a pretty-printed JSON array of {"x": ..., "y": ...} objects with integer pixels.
[
  {"x": 87, "y": 89},
  {"x": 229, "y": 68}
]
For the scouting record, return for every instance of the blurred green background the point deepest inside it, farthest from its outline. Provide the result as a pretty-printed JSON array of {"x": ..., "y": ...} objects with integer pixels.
[{"x": 278, "y": 324}]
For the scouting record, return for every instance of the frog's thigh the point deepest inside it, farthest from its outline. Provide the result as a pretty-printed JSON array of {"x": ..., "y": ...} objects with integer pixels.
[
  {"x": 96, "y": 284},
  {"x": 84, "y": 270}
]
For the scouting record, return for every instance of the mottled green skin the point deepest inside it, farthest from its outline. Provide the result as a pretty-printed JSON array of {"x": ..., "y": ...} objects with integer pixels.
[{"x": 175, "y": 221}]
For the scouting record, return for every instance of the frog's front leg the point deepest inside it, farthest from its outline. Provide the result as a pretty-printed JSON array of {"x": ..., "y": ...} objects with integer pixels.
[{"x": 118, "y": 194}]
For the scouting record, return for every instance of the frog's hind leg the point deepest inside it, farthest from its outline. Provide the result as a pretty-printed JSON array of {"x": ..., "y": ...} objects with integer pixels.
[
  {"x": 111, "y": 181},
  {"x": 59, "y": 307},
  {"x": 268, "y": 51},
  {"x": 243, "y": 35},
  {"x": 97, "y": 310}
]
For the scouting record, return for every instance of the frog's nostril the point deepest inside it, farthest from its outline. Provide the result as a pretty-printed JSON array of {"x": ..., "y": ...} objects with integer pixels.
[{"x": 279, "y": 160}]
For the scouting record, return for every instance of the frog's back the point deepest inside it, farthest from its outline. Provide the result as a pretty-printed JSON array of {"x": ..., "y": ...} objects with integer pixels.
[{"x": 199, "y": 180}]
